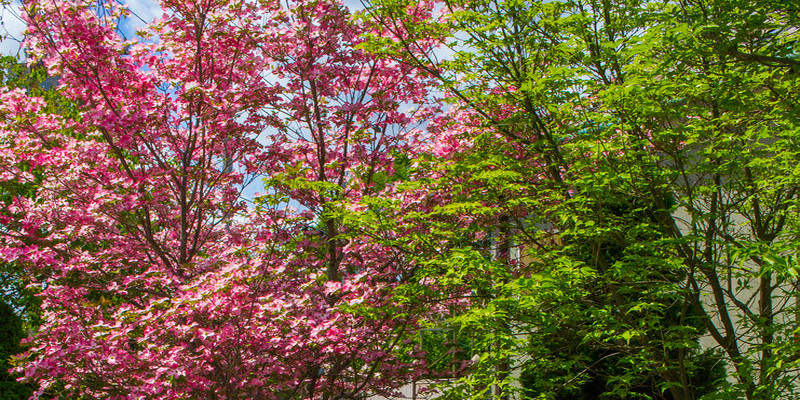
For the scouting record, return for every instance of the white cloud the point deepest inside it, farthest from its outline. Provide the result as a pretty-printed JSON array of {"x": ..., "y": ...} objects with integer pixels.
[
  {"x": 147, "y": 10},
  {"x": 143, "y": 12},
  {"x": 11, "y": 29},
  {"x": 354, "y": 5}
]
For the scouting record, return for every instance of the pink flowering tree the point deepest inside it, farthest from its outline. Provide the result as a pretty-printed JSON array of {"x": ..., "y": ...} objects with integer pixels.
[{"x": 157, "y": 279}]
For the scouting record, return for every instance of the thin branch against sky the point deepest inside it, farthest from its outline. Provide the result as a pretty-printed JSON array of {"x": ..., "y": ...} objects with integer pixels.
[{"x": 12, "y": 27}]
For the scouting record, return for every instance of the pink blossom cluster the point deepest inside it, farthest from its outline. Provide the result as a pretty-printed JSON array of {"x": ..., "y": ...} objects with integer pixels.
[{"x": 157, "y": 280}]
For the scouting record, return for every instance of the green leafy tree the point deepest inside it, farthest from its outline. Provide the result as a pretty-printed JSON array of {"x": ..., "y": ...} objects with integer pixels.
[
  {"x": 11, "y": 332},
  {"x": 657, "y": 141}
]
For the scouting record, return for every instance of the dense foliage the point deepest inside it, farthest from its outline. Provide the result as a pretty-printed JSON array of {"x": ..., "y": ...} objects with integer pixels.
[
  {"x": 643, "y": 154},
  {"x": 11, "y": 333},
  {"x": 157, "y": 279},
  {"x": 602, "y": 203}
]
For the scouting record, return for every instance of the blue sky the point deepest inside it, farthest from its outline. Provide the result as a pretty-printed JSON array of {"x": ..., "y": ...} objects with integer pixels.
[{"x": 12, "y": 27}]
